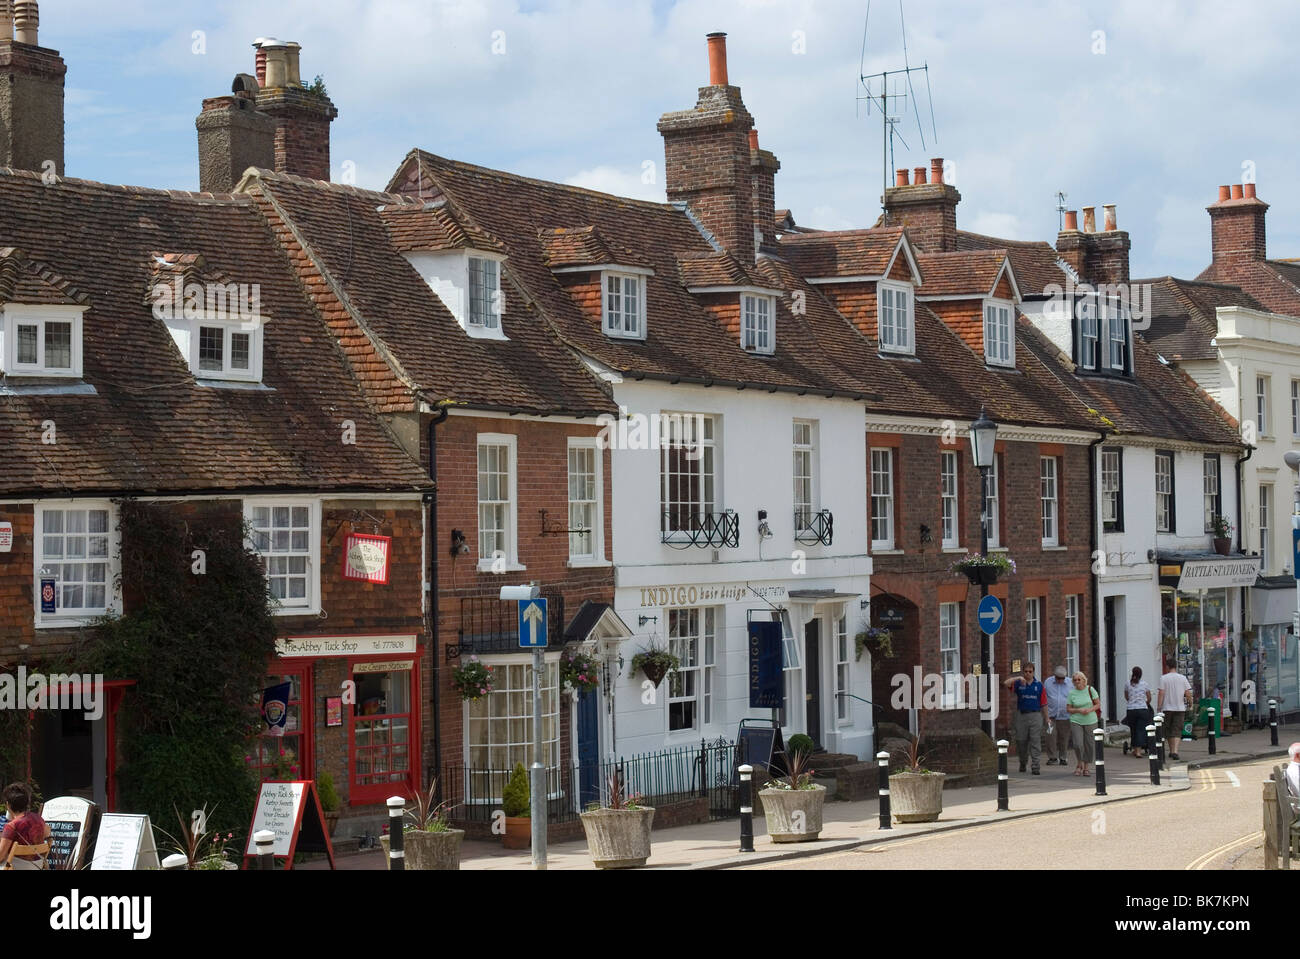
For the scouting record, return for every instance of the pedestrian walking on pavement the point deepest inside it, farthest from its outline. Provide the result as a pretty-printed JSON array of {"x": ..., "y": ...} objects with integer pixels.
[
  {"x": 1058, "y": 720},
  {"x": 1174, "y": 700},
  {"x": 1084, "y": 707},
  {"x": 1138, "y": 696},
  {"x": 1031, "y": 716}
]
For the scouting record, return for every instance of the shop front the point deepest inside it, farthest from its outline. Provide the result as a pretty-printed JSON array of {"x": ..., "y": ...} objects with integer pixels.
[{"x": 1271, "y": 658}]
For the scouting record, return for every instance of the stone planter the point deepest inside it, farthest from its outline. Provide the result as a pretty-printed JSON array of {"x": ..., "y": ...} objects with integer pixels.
[
  {"x": 1223, "y": 546},
  {"x": 428, "y": 850},
  {"x": 518, "y": 834},
  {"x": 916, "y": 797},
  {"x": 618, "y": 838},
  {"x": 793, "y": 815}
]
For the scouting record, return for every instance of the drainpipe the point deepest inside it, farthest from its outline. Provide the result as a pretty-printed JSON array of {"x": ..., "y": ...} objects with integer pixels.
[
  {"x": 439, "y": 416},
  {"x": 1238, "y": 656},
  {"x": 1094, "y": 543}
]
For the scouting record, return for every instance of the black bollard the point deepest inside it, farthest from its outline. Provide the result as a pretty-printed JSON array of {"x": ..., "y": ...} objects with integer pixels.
[
  {"x": 265, "y": 841},
  {"x": 746, "y": 808},
  {"x": 1152, "y": 756},
  {"x": 1003, "y": 803},
  {"x": 1272, "y": 721},
  {"x": 882, "y": 773},
  {"x": 396, "y": 852},
  {"x": 1160, "y": 738},
  {"x": 1099, "y": 738},
  {"x": 1210, "y": 737}
]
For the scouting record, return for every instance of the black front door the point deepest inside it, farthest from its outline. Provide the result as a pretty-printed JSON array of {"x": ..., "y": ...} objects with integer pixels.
[
  {"x": 812, "y": 675},
  {"x": 1110, "y": 709}
]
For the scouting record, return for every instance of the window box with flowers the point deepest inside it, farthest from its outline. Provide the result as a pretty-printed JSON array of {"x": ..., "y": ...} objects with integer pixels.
[
  {"x": 472, "y": 679},
  {"x": 984, "y": 570},
  {"x": 579, "y": 673},
  {"x": 1221, "y": 530}
]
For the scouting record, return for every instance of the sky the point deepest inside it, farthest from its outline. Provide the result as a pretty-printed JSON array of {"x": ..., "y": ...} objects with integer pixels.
[{"x": 1148, "y": 105}]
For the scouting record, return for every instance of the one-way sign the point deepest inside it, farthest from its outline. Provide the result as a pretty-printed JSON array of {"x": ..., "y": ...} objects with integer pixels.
[
  {"x": 990, "y": 614},
  {"x": 532, "y": 623}
]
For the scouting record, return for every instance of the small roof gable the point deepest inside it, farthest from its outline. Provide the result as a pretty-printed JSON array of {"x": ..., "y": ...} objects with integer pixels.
[
  {"x": 1037, "y": 264},
  {"x": 431, "y": 228},
  {"x": 25, "y": 281},
  {"x": 974, "y": 273},
  {"x": 579, "y": 246},
  {"x": 847, "y": 253}
]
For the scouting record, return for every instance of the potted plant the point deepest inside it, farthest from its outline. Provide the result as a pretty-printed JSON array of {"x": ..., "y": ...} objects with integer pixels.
[
  {"x": 516, "y": 804},
  {"x": 618, "y": 832},
  {"x": 579, "y": 673},
  {"x": 984, "y": 570},
  {"x": 800, "y": 743},
  {"x": 877, "y": 640},
  {"x": 1221, "y": 529},
  {"x": 329, "y": 800},
  {"x": 656, "y": 662},
  {"x": 792, "y": 805},
  {"x": 202, "y": 848},
  {"x": 915, "y": 793},
  {"x": 472, "y": 679},
  {"x": 428, "y": 840}
]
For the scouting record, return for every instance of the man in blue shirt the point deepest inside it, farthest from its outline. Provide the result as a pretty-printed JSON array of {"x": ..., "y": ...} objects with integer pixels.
[
  {"x": 1058, "y": 719},
  {"x": 1031, "y": 715}
]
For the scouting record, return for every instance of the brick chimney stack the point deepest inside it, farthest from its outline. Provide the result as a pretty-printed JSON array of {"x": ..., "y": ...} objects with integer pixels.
[
  {"x": 31, "y": 92},
  {"x": 1237, "y": 225},
  {"x": 1097, "y": 256},
  {"x": 709, "y": 164},
  {"x": 764, "y": 166},
  {"x": 927, "y": 210}
]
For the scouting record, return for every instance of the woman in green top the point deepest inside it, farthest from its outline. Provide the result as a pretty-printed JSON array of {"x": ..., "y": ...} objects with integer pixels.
[{"x": 1084, "y": 707}]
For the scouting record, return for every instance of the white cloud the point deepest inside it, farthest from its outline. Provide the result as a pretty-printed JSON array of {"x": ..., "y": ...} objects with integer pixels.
[{"x": 620, "y": 182}]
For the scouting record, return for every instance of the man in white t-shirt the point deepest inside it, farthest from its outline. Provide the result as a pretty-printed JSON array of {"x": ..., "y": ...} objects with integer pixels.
[
  {"x": 1175, "y": 699},
  {"x": 1293, "y": 771}
]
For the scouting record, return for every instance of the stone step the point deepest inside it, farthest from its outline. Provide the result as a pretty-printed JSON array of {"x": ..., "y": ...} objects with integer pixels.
[{"x": 825, "y": 762}]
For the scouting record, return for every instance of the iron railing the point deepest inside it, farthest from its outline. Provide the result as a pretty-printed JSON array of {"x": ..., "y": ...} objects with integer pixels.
[
  {"x": 811, "y": 528},
  {"x": 682, "y": 530},
  {"x": 489, "y": 624}
]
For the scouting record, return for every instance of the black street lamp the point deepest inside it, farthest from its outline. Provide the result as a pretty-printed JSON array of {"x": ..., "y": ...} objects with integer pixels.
[{"x": 983, "y": 437}]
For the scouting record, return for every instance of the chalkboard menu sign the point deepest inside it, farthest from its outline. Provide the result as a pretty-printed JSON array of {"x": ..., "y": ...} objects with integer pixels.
[
  {"x": 72, "y": 821},
  {"x": 759, "y": 743},
  {"x": 64, "y": 838}
]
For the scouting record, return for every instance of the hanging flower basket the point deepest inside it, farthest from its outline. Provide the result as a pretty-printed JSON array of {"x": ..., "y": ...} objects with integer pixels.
[
  {"x": 656, "y": 663},
  {"x": 579, "y": 672},
  {"x": 878, "y": 640},
  {"x": 472, "y": 679},
  {"x": 984, "y": 570}
]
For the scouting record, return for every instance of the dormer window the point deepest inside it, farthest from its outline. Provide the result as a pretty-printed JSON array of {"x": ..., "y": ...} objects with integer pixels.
[
  {"x": 484, "y": 293},
  {"x": 624, "y": 305},
  {"x": 1103, "y": 335},
  {"x": 468, "y": 283},
  {"x": 896, "y": 320},
  {"x": 41, "y": 340},
  {"x": 999, "y": 333},
  {"x": 219, "y": 347},
  {"x": 756, "y": 330}
]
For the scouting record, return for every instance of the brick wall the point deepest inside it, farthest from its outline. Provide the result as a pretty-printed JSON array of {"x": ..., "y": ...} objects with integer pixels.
[
  {"x": 929, "y": 213},
  {"x": 1237, "y": 229},
  {"x": 302, "y": 130}
]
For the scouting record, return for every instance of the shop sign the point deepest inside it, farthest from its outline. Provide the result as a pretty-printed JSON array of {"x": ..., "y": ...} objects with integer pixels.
[
  {"x": 365, "y": 558},
  {"x": 766, "y": 681},
  {"x": 293, "y": 646},
  {"x": 694, "y": 594},
  {"x": 384, "y": 667},
  {"x": 1201, "y": 574},
  {"x": 47, "y": 596},
  {"x": 889, "y": 617},
  {"x": 6, "y": 537}
]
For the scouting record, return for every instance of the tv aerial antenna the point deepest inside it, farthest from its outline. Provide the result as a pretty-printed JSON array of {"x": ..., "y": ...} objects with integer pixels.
[
  {"x": 889, "y": 91},
  {"x": 1061, "y": 197}
]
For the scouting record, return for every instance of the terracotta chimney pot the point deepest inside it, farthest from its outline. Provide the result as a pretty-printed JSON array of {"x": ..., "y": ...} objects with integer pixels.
[
  {"x": 918, "y": 175},
  {"x": 900, "y": 177},
  {"x": 1108, "y": 222},
  {"x": 1249, "y": 189},
  {"x": 717, "y": 59},
  {"x": 1224, "y": 193},
  {"x": 1089, "y": 219},
  {"x": 1071, "y": 220},
  {"x": 936, "y": 169},
  {"x": 1236, "y": 191},
  {"x": 753, "y": 139}
]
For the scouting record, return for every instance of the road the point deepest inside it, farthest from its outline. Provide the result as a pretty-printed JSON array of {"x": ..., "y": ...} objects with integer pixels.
[{"x": 1213, "y": 825}]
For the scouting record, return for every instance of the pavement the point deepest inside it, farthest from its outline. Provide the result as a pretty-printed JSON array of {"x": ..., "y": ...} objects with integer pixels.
[{"x": 848, "y": 825}]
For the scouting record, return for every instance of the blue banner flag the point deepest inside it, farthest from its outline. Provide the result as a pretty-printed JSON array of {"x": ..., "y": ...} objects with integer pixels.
[
  {"x": 766, "y": 688},
  {"x": 275, "y": 707}
]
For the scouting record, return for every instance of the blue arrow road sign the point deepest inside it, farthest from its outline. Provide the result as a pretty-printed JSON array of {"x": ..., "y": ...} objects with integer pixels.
[
  {"x": 990, "y": 614},
  {"x": 1295, "y": 549},
  {"x": 532, "y": 623}
]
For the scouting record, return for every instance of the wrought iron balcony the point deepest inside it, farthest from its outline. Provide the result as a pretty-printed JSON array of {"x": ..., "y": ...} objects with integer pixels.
[
  {"x": 811, "y": 528},
  {"x": 489, "y": 624},
  {"x": 681, "y": 529}
]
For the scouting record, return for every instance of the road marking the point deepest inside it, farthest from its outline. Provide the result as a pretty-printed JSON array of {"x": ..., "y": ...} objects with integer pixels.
[
  {"x": 1202, "y": 861},
  {"x": 1236, "y": 783}
]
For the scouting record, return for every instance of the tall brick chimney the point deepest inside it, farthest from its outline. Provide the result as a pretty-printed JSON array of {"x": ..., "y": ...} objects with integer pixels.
[
  {"x": 31, "y": 92},
  {"x": 1237, "y": 225},
  {"x": 927, "y": 210},
  {"x": 270, "y": 120},
  {"x": 1098, "y": 257},
  {"x": 764, "y": 166},
  {"x": 708, "y": 162}
]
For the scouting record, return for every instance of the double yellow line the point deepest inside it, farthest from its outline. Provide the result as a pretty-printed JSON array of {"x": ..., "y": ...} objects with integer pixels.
[{"x": 1203, "y": 862}]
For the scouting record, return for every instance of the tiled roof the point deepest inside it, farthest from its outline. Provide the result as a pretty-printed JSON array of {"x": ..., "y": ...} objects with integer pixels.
[
  {"x": 1037, "y": 264},
  {"x": 23, "y": 281},
  {"x": 1183, "y": 321},
  {"x": 431, "y": 227},
  {"x": 713, "y": 269},
  {"x": 398, "y": 333},
  {"x": 1274, "y": 283},
  {"x": 971, "y": 272},
  {"x": 581, "y": 246},
  {"x": 841, "y": 253},
  {"x": 148, "y": 426}
]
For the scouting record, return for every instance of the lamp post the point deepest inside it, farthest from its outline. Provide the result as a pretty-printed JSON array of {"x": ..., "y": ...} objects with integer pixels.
[{"x": 983, "y": 436}]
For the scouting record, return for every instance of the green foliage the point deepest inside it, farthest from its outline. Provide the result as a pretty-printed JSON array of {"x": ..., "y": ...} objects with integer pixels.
[
  {"x": 329, "y": 796},
  {"x": 15, "y": 736},
  {"x": 515, "y": 797},
  {"x": 878, "y": 640},
  {"x": 799, "y": 743},
  {"x": 197, "y": 644},
  {"x": 317, "y": 88}
]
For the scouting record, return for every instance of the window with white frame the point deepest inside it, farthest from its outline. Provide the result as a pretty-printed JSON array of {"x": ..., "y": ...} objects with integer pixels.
[
  {"x": 791, "y": 667},
  {"x": 496, "y": 502},
  {"x": 1089, "y": 334},
  {"x": 1295, "y": 408},
  {"x": 1166, "y": 520},
  {"x": 948, "y": 498},
  {"x": 286, "y": 534},
  {"x": 950, "y": 651},
  {"x": 991, "y": 502},
  {"x": 882, "y": 499},
  {"x": 843, "y": 671},
  {"x": 499, "y": 731},
  {"x": 1210, "y": 484},
  {"x": 691, "y": 638},
  {"x": 1034, "y": 633},
  {"x": 895, "y": 318},
  {"x": 1112, "y": 490},
  {"x": 584, "y": 501},
  {"x": 41, "y": 340},
  {"x": 73, "y": 549},
  {"x": 1071, "y": 635},
  {"x": 1047, "y": 485},
  {"x": 1263, "y": 415},
  {"x": 227, "y": 350},
  {"x": 1104, "y": 333},
  {"x": 485, "y": 302},
  {"x": 999, "y": 333},
  {"x": 624, "y": 305},
  {"x": 1118, "y": 325},
  {"x": 756, "y": 313},
  {"x": 1265, "y": 517},
  {"x": 688, "y": 493},
  {"x": 805, "y": 475}
]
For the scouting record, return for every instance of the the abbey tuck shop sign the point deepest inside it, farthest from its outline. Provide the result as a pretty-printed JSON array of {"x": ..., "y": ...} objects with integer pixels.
[
  {"x": 290, "y": 646},
  {"x": 366, "y": 558},
  {"x": 691, "y": 594},
  {"x": 1217, "y": 573}
]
